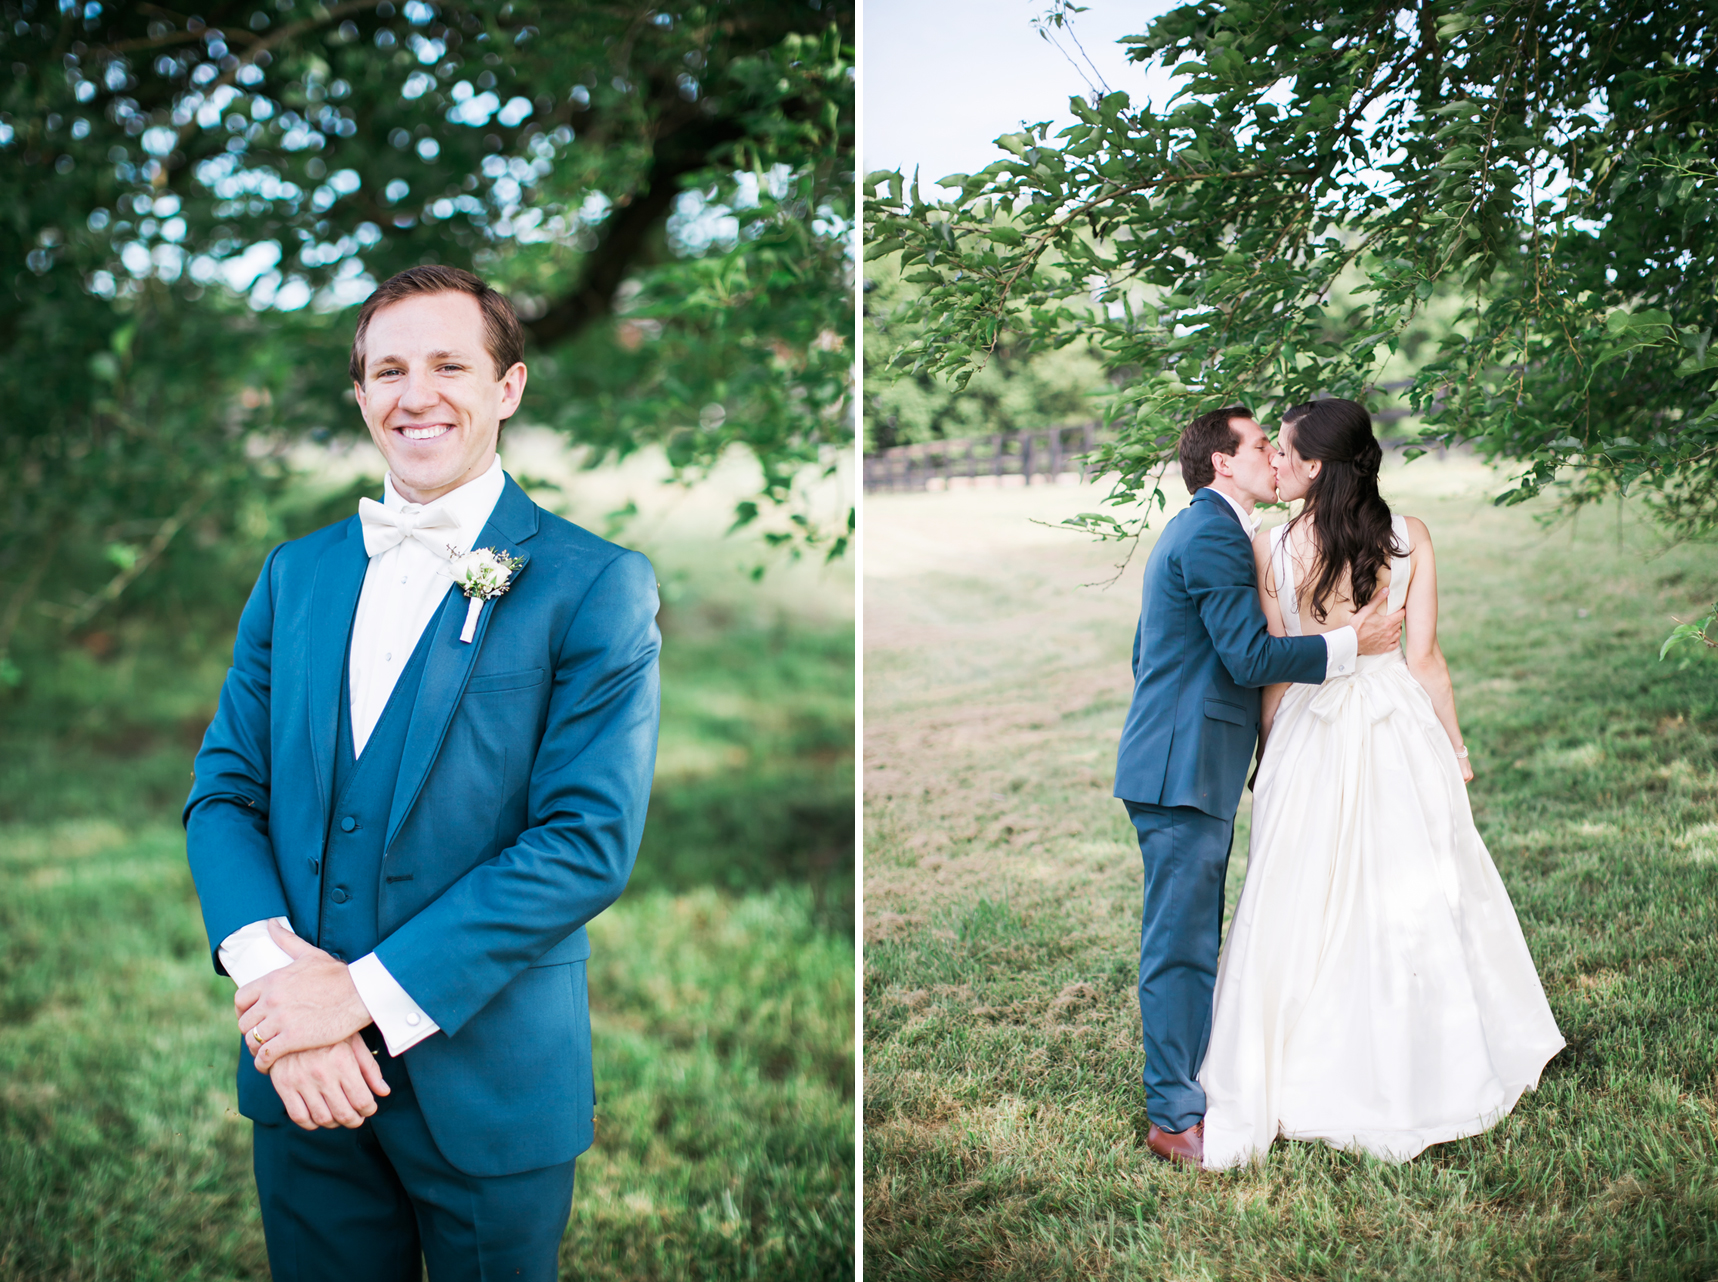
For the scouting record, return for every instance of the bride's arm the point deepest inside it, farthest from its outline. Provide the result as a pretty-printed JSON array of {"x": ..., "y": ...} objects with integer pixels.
[
  {"x": 1271, "y": 695},
  {"x": 1425, "y": 658}
]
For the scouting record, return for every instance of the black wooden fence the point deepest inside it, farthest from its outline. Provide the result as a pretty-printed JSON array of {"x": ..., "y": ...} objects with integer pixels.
[{"x": 1046, "y": 455}]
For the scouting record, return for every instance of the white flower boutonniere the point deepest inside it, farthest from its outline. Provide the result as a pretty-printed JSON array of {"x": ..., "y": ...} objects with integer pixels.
[{"x": 481, "y": 573}]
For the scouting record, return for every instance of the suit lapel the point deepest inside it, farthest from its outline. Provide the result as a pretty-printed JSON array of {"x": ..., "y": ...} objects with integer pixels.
[
  {"x": 448, "y": 665},
  {"x": 333, "y": 605}
]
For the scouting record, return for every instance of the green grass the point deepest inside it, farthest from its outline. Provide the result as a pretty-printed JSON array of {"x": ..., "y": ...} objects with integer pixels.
[
  {"x": 722, "y": 1028},
  {"x": 1004, "y": 1117},
  {"x": 721, "y": 984}
]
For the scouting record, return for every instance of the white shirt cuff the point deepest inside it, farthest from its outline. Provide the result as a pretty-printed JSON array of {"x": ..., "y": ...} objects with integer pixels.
[
  {"x": 1341, "y": 649},
  {"x": 248, "y": 953},
  {"x": 400, "y": 1020}
]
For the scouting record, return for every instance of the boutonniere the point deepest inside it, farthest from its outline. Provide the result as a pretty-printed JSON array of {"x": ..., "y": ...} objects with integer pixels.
[{"x": 482, "y": 573}]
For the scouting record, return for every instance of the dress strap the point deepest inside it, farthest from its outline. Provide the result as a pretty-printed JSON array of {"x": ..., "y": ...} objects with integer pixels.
[
  {"x": 1284, "y": 569},
  {"x": 1401, "y": 567}
]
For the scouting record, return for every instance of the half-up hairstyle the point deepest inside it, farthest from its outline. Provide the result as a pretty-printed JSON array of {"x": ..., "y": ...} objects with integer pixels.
[{"x": 1343, "y": 502}]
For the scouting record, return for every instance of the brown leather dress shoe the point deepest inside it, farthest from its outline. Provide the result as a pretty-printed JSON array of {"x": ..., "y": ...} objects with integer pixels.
[{"x": 1178, "y": 1146}]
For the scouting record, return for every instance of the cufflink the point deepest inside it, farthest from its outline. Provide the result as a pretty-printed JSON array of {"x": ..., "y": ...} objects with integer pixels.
[{"x": 413, "y": 1019}]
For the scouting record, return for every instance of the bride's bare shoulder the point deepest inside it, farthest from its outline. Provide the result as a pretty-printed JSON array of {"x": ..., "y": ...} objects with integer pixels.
[{"x": 1419, "y": 537}]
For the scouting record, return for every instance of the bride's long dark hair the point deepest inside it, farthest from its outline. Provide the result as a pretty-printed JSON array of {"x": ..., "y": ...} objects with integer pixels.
[{"x": 1343, "y": 502}]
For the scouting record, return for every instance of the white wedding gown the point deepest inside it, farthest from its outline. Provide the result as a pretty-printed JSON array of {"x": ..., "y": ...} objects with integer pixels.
[{"x": 1375, "y": 991}]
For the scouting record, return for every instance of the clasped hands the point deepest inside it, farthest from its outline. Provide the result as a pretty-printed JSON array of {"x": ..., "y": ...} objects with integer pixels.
[{"x": 302, "y": 1025}]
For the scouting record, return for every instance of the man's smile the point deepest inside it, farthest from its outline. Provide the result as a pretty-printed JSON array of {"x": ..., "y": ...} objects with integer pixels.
[{"x": 426, "y": 432}]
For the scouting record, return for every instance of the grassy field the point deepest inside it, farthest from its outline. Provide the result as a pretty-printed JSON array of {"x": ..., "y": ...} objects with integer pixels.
[
  {"x": 721, "y": 985},
  {"x": 1004, "y": 1117}
]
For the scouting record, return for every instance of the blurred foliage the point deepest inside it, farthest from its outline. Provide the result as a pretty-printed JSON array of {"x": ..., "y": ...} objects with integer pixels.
[
  {"x": 754, "y": 780},
  {"x": 1550, "y": 164},
  {"x": 1016, "y": 391},
  {"x": 192, "y": 206}
]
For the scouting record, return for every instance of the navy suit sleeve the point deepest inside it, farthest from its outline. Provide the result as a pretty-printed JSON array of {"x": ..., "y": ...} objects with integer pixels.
[
  {"x": 590, "y": 786},
  {"x": 1218, "y": 570},
  {"x": 226, "y": 815}
]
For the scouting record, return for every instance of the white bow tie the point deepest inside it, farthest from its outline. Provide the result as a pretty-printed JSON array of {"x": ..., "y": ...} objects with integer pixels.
[{"x": 384, "y": 528}]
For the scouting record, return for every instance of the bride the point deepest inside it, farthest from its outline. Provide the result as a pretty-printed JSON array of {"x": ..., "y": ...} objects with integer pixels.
[{"x": 1375, "y": 991}]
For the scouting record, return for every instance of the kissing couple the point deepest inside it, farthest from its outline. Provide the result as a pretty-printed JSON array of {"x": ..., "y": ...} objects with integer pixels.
[{"x": 1375, "y": 991}]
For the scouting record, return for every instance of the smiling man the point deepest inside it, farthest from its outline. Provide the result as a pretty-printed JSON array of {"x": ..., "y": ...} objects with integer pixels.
[{"x": 398, "y": 834}]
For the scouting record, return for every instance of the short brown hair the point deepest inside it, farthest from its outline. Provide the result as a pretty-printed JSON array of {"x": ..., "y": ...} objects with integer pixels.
[
  {"x": 1206, "y": 435},
  {"x": 501, "y": 332}
]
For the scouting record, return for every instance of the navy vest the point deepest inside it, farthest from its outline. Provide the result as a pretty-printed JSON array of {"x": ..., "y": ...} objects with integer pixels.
[{"x": 363, "y": 794}]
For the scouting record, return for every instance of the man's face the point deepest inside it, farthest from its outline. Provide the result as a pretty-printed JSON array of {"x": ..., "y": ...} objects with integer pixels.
[
  {"x": 1249, "y": 469},
  {"x": 430, "y": 396}
]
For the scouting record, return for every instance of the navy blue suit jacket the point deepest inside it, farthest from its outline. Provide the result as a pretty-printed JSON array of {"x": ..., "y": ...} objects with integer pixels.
[
  {"x": 517, "y": 813},
  {"x": 1200, "y": 654}
]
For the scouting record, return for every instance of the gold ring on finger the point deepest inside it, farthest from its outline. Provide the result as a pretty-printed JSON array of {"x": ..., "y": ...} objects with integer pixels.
[{"x": 256, "y": 1035}]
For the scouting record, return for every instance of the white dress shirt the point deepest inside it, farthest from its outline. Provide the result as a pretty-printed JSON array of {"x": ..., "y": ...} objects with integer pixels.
[
  {"x": 403, "y": 589},
  {"x": 1341, "y": 645}
]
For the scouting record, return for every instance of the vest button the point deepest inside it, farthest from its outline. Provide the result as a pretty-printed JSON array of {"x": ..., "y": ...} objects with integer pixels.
[
  {"x": 339, "y": 895},
  {"x": 348, "y": 823}
]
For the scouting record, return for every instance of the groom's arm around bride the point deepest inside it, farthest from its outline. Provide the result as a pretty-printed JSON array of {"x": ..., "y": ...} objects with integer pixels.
[{"x": 1201, "y": 653}]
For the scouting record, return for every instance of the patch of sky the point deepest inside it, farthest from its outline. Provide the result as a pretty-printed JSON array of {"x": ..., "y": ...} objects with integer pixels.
[
  {"x": 351, "y": 284},
  {"x": 428, "y": 149},
  {"x": 396, "y": 191},
  {"x": 134, "y": 257},
  {"x": 242, "y": 271},
  {"x": 514, "y": 113},
  {"x": 831, "y": 225},
  {"x": 429, "y": 52},
  {"x": 223, "y": 176},
  {"x": 210, "y": 110},
  {"x": 700, "y": 223},
  {"x": 159, "y": 140},
  {"x": 418, "y": 13},
  {"x": 595, "y": 208},
  {"x": 417, "y": 84},
  {"x": 470, "y": 107},
  {"x": 169, "y": 261}
]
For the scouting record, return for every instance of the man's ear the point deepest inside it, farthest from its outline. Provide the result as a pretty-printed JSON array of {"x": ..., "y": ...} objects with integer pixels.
[
  {"x": 1223, "y": 464},
  {"x": 512, "y": 390},
  {"x": 358, "y": 395}
]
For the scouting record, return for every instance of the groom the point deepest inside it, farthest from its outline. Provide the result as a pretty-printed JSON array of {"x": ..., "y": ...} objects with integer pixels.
[
  {"x": 401, "y": 824},
  {"x": 1200, "y": 654}
]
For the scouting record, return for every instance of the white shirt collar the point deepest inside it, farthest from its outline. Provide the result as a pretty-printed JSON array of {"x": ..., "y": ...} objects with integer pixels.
[
  {"x": 1248, "y": 519},
  {"x": 470, "y": 504}
]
